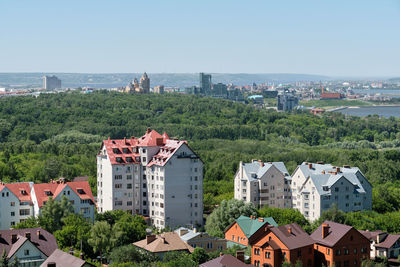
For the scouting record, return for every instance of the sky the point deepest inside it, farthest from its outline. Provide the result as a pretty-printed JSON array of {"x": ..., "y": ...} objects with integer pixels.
[{"x": 335, "y": 38}]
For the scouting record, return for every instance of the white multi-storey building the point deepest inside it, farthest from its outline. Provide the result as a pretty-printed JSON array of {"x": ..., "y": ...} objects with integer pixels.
[
  {"x": 152, "y": 175},
  {"x": 316, "y": 186},
  {"x": 19, "y": 201},
  {"x": 263, "y": 184}
]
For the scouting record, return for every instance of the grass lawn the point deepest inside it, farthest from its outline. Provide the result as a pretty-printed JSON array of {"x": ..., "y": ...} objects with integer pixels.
[{"x": 334, "y": 103}]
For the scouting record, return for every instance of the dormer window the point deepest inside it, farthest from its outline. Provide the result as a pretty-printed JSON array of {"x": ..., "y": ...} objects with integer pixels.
[
  {"x": 23, "y": 192},
  {"x": 80, "y": 191},
  {"x": 126, "y": 151},
  {"x": 129, "y": 159},
  {"x": 116, "y": 151},
  {"x": 47, "y": 192},
  {"x": 119, "y": 159},
  {"x": 325, "y": 188}
]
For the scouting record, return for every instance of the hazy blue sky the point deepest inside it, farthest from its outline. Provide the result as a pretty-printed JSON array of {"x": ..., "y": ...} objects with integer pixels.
[{"x": 337, "y": 37}]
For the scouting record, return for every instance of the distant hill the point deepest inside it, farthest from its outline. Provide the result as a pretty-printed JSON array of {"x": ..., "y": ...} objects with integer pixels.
[
  {"x": 395, "y": 79},
  {"x": 167, "y": 79}
]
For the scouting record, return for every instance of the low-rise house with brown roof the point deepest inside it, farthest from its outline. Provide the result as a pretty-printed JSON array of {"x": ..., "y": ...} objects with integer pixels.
[
  {"x": 374, "y": 238},
  {"x": 245, "y": 229},
  {"x": 339, "y": 245},
  {"x": 60, "y": 258},
  {"x": 383, "y": 244},
  {"x": 227, "y": 261},
  {"x": 163, "y": 243},
  {"x": 286, "y": 243},
  {"x": 32, "y": 246},
  {"x": 201, "y": 239}
]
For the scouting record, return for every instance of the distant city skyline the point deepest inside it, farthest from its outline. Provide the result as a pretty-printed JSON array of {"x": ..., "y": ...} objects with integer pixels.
[{"x": 336, "y": 39}]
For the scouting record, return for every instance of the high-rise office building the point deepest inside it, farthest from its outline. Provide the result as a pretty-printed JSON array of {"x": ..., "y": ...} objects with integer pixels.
[
  {"x": 51, "y": 82},
  {"x": 287, "y": 101},
  {"x": 159, "y": 89},
  {"x": 205, "y": 83}
]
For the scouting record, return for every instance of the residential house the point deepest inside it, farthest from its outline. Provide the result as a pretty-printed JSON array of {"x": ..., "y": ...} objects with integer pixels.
[
  {"x": 163, "y": 243},
  {"x": 60, "y": 258},
  {"x": 32, "y": 246},
  {"x": 317, "y": 186},
  {"x": 15, "y": 204},
  {"x": 339, "y": 245},
  {"x": 227, "y": 261},
  {"x": 201, "y": 239},
  {"x": 78, "y": 193},
  {"x": 287, "y": 243},
  {"x": 19, "y": 201},
  {"x": 154, "y": 176},
  {"x": 263, "y": 184},
  {"x": 383, "y": 244},
  {"x": 245, "y": 229},
  {"x": 374, "y": 238}
]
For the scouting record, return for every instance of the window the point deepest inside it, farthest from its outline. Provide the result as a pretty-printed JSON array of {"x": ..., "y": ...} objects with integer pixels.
[
  {"x": 129, "y": 177},
  {"x": 118, "y": 185},
  {"x": 299, "y": 253},
  {"x": 145, "y": 194},
  {"x": 129, "y": 203},
  {"x": 12, "y": 213},
  {"x": 144, "y": 185},
  {"x": 336, "y": 189},
  {"x": 118, "y": 203},
  {"x": 337, "y": 252},
  {"x": 12, "y": 204},
  {"x": 345, "y": 251},
  {"x": 24, "y": 212},
  {"x": 144, "y": 203},
  {"x": 26, "y": 252},
  {"x": 118, "y": 177},
  {"x": 85, "y": 210},
  {"x": 129, "y": 186},
  {"x": 233, "y": 237}
]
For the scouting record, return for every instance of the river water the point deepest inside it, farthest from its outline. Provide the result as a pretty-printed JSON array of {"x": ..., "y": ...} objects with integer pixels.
[{"x": 384, "y": 111}]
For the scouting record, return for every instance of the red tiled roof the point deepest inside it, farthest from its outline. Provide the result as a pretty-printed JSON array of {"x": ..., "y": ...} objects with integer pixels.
[
  {"x": 56, "y": 189},
  {"x": 115, "y": 148},
  {"x": 21, "y": 190}
]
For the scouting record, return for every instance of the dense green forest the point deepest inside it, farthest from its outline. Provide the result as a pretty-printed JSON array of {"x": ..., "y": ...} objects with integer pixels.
[{"x": 57, "y": 135}]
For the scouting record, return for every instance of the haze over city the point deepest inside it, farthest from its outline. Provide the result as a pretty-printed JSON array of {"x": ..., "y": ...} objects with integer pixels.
[{"x": 337, "y": 38}]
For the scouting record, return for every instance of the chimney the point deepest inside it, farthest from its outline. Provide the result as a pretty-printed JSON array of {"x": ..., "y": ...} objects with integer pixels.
[
  {"x": 28, "y": 236},
  {"x": 163, "y": 240},
  {"x": 337, "y": 169},
  {"x": 310, "y": 165},
  {"x": 148, "y": 130},
  {"x": 240, "y": 255},
  {"x": 38, "y": 234},
  {"x": 289, "y": 230},
  {"x": 195, "y": 230},
  {"x": 261, "y": 219},
  {"x": 150, "y": 238},
  {"x": 13, "y": 238},
  {"x": 124, "y": 140},
  {"x": 325, "y": 230},
  {"x": 240, "y": 169}
]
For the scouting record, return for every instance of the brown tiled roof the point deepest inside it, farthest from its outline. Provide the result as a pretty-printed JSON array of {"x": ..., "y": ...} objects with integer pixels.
[
  {"x": 389, "y": 241},
  {"x": 272, "y": 244},
  {"x": 63, "y": 259},
  {"x": 164, "y": 242},
  {"x": 371, "y": 235},
  {"x": 336, "y": 232},
  {"x": 225, "y": 261},
  {"x": 45, "y": 242},
  {"x": 81, "y": 179},
  {"x": 296, "y": 239}
]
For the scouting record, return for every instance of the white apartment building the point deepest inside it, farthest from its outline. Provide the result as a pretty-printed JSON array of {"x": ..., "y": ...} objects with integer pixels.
[
  {"x": 154, "y": 176},
  {"x": 316, "y": 186},
  {"x": 263, "y": 184},
  {"x": 19, "y": 201}
]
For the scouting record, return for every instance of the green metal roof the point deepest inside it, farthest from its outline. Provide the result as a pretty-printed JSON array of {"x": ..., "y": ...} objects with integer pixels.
[{"x": 250, "y": 226}]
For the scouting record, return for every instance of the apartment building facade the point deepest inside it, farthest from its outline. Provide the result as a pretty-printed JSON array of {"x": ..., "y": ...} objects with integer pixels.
[
  {"x": 317, "y": 186},
  {"x": 154, "y": 176},
  {"x": 263, "y": 184},
  {"x": 19, "y": 201}
]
